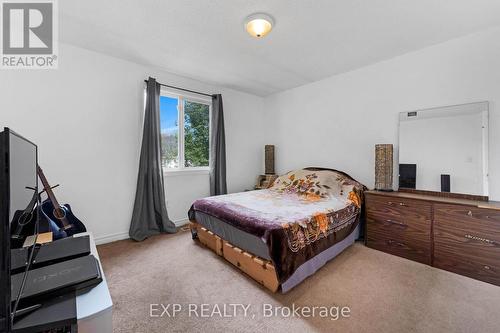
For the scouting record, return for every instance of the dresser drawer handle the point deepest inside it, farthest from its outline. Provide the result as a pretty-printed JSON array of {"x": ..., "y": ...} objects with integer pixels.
[
  {"x": 469, "y": 213},
  {"x": 487, "y": 267},
  {"x": 485, "y": 240},
  {"x": 390, "y": 203},
  {"x": 391, "y": 242},
  {"x": 396, "y": 222}
]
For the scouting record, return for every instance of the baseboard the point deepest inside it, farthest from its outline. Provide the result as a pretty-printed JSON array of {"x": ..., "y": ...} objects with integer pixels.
[
  {"x": 124, "y": 235},
  {"x": 111, "y": 238},
  {"x": 180, "y": 223}
]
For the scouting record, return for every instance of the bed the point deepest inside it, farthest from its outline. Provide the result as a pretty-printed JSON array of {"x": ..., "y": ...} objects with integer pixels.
[{"x": 283, "y": 234}]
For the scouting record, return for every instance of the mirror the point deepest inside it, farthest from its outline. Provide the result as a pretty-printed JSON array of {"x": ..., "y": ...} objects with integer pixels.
[{"x": 445, "y": 149}]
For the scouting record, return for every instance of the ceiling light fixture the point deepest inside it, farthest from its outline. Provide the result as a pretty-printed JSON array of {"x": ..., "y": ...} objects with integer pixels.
[{"x": 258, "y": 25}]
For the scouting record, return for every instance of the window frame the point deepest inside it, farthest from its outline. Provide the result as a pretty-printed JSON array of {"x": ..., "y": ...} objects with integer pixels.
[{"x": 181, "y": 97}]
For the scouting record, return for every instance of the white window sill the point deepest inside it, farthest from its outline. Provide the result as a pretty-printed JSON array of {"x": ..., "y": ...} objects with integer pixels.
[{"x": 186, "y": 172}]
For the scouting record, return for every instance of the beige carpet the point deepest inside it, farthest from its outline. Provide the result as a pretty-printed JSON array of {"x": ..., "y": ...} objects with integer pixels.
[{"x": 384, "y": 293}]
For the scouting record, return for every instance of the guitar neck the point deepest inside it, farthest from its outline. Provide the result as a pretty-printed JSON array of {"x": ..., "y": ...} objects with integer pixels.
[
  {"x": 47, "y": 188},
  {"x": 50, "y": 194}
]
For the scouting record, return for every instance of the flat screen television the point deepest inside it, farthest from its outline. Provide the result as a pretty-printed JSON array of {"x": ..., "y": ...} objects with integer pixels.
[{"x": 18, "y": 189}]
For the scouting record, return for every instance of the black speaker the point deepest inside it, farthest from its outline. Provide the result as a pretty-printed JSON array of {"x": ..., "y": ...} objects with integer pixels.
[
  {"x": 445, "y": 183},
  {"x": 407, "y": 175}
]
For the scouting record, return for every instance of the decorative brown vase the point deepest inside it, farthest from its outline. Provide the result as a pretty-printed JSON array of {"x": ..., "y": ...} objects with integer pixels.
[
  {"x": 269, "y": 159},
  {"x": 383, "y": 167}
]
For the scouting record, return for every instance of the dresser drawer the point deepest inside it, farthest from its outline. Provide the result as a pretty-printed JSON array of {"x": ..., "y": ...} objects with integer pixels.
[
  {"x": 398, "y": 208},
  {"x": 476, "y": 268},
  {"x": 467, "y": 241},
  {"x": 398, "y": 243},
  {"x": 480, "y": 222},
  {"x": 465, "y": 246},
  {"x": 405, "y": 230},
  {"x": 405, "y": 240}
]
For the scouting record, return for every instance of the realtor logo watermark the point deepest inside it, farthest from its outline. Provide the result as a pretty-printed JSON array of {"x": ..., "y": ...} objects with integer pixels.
[
  {"x": 29, "y": 34},
  {"x": 231, "y": 310}
]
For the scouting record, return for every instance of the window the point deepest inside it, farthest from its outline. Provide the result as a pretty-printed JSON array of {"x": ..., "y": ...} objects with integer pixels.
[{"x": 185, "y": 131}]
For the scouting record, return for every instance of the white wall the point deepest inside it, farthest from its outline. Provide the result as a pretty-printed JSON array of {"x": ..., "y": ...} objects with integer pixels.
[
  {"x": 86, "y": 118},
  {"x": 182, "y": 189},
  {"x": 337, "y": 121},
  {"x": 450, "y": 145}
]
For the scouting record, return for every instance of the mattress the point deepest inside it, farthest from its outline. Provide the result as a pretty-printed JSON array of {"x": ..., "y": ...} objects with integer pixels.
[
  {"x": 258, "y": 247},
  {"x": 235, "y": 236}
]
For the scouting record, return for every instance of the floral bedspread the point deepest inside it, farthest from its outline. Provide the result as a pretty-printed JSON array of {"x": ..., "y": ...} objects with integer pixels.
[{"x": 303, "y": 213}]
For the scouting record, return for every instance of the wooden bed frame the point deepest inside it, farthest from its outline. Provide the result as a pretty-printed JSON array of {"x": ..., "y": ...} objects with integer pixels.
[{"x": 261, "y": 270}]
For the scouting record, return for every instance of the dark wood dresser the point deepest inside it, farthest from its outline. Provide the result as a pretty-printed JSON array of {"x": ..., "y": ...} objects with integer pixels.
[{"x": 458, "y": 235}]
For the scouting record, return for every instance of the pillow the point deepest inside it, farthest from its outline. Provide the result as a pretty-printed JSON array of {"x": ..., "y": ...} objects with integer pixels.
[{"x": 319, "y": 184}]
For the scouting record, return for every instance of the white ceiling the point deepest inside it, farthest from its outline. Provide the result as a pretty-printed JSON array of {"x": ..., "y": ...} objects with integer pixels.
[{"x": 311, "y": 40}]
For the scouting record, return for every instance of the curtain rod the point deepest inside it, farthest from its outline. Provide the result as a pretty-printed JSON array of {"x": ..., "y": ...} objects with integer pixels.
[{"x": 178, "y": 88}]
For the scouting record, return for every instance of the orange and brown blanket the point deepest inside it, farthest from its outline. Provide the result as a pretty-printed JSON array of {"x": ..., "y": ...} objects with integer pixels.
[{"x": 303, "y": 213}]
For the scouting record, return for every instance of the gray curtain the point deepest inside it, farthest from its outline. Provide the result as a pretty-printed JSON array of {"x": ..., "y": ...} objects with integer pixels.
[
  {"x": 217, "y": 149},
  {"x": 150, "y": 215}
]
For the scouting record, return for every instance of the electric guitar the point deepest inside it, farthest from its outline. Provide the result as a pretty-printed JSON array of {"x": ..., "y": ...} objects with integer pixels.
[{"x": 60, "y": 214}]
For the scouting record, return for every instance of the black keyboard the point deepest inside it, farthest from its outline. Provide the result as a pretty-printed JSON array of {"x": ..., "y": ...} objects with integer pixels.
[
  {"x": 71, "y": 275},
  {"x": 50, "y": 253}
]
